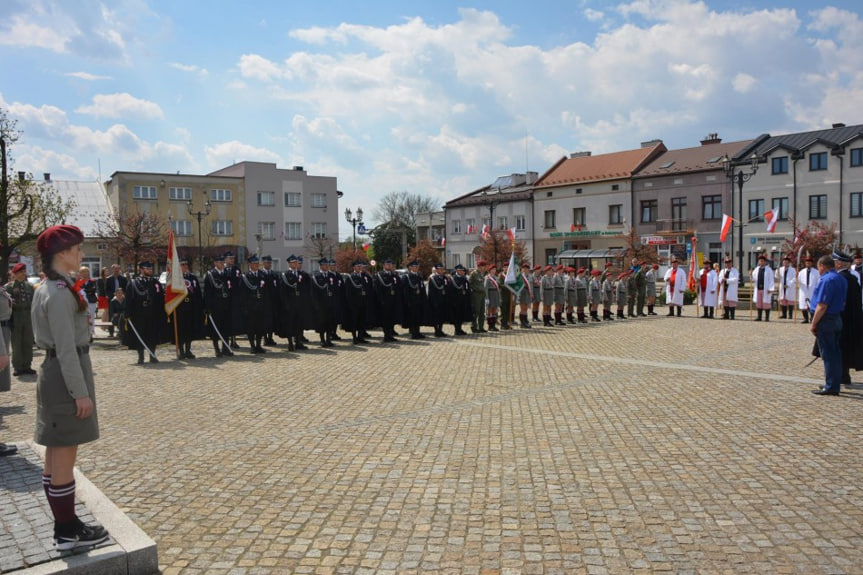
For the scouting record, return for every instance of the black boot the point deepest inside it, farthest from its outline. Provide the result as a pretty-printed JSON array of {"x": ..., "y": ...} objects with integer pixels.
[
  {"x": 679, "y": 309},
  {"x": 216, "y": 348},
  {"x": 670, "y": 311},
  {"x": 569, "y": 317},
  {"x": 650, "y": 310},
  {"x": 711, "y": 312},
  {"x": 594, "y": 315},
  {"x": 140, "y": 356},
  {"x": 783, "y": 308},
  {"x": 581, "y": 317},
  {"x": 558, "y": 318},
  {"x": 732, "y": 312},
  {"x": 189, "y": 354},
  {"x": 760, "y": 313},
  {"x": 805, "y": 315},
  {"x": 726, "y": 311},
  {"x": 226, "y": 351},
  {"x": 767, "y": 315},
  {"x": 298, "y": 344}
]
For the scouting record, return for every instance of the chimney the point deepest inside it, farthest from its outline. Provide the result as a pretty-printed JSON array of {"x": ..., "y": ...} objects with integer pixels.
[
  {"x": 47, "y": 176},
  {"x": 298, "y": 169},
  {"x": 651, "y": 143},
  {"x": 838, "y": 125},
  {"x": 711, "y": 139},
  {"x": 22, "y": 176},
  {"x": 574, "y": 155},
  {"x": 532, "y": 177}
]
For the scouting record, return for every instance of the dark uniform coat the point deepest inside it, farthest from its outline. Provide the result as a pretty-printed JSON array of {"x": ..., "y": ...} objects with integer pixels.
[
  {"x": 324, "y": 287},
  {"x": 190, "y": 312},
  {"x": 257, "y": 310},
  {"x": 415, "y": 301},
  {"x": 459, "y": 299},
  {"x": 217, "y": 303},
  {"x": 438, "y": 294},
  {"x": 357, "y": 298},
  {"x": 145, "y": 308}
]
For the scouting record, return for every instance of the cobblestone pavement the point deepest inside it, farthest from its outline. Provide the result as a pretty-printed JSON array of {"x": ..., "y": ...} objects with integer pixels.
[{"x": 648, "y": 445}]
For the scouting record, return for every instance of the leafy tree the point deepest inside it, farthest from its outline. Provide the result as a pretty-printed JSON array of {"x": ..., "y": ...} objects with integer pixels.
[
  {"x": 496, "y": 247},
  {"x": 134, "y": 236},
  {"x": 26, "y": 207},
  {"x": 635, "y": 249},
  {"x": 346, "y": 256},
  {"x": 426, "y": 254},
  {"x": 388, "y": 241},
  {"x": 815, "y": 239},
  {"x": 320, "y": 247}
]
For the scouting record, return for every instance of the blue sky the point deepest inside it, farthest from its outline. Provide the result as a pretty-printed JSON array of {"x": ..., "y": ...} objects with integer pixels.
[{"x": 437, "y": 98}]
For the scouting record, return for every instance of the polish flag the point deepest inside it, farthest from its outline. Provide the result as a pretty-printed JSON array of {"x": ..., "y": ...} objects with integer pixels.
[
  {"x": 469, "y": 230},
  {"x": 572, "y": 228},
  {"x": 772, "y": 217},
  {"x": 511, "y": 233},
  {"x": 366, "y": 246},
  {"x": 175, "y": 284},
  {"x": 726, "y": 225},
  {"x": 443, "y": 241}
]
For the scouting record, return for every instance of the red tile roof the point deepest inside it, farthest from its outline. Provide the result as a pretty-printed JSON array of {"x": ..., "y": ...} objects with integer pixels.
[
  {"x": 585, "y": 169},
  {"x": 695, "y": 159}
]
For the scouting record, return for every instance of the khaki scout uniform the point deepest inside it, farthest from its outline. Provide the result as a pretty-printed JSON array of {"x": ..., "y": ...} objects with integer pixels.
[
  {"x": 6, "y": 328},
  {"x": 22, "y": 326},
  {"x": 66, "y": 374}
]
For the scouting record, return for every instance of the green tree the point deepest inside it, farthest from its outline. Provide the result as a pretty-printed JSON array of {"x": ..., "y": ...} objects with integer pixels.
[
  {"x": 27, "y": 207},
  {"x": 134, "y": 236},
  {"x": 426, "y": 254}
]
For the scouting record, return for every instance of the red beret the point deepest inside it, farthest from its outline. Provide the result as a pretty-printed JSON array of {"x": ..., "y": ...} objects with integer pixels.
[
  {"x": 581, "y": 270},
  {"x": 656, "y": 266},
  {"x": 18, "y": 268},
  {"x": 537, "y": 267},
  {"x": 493, "y": 267},
  {"x": 608, "y": 264},
  {"x": 595, "y": 272},
  {"x": 58, "y": 238},
  {"x": 525, "y": 266},
  {"x": 559, "y": 267},
  {"x": 481, "y": 263},
  {"x": 548, "y": 268}
]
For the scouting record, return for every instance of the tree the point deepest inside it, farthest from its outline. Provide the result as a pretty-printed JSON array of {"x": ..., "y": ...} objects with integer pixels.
[
  {"x": 426, "y": 254},
  {"x": 399, "y": 210},
  {"x": 318, "y": 247},
  {"x": 813, "y": 240},
  {"x": 391, "y": 241},
  {"x": 133, "y": 236},
  {"x": 27, "y": 208},
  {"x": 635, "y": 249},
  {"x": 496, "y": 247}
]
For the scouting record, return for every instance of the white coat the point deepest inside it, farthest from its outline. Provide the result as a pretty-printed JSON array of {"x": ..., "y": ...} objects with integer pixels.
[
  {"x": 675, "y": 297},
  {"x": 769, "y": 286},
  {"x": 729, "y": 279},
  {"x": 806, "y": 286},
  {"x": 786, "y": 277},
  {"x": 708, "y": 296}
]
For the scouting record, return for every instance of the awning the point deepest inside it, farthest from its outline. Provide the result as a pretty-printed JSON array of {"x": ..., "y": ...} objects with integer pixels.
[{"x": 590, "y": 254}]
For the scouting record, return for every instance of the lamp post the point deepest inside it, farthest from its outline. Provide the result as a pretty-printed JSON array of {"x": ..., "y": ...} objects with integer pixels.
[
  {"x": 492, "y": 204},
  {"x": 349, "y": 216},
  {"x": 740, "y": 177},
  {"x": 200, "y": 215}
]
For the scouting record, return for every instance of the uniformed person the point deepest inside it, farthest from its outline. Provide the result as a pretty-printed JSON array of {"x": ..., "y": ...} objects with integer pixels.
[
  {"x": 622, "y": 289},
  {"x": 559, "y": 294},
  {"x": 570, "y": 294},
  {"x": 291, "y": 313},
  {"x": 607, "y": 294},
  {"x": 478, "y": 297},
  {"x": 641, "y": 288},
  {"x": 386, "y": 289},
  {"x": 323, "y": 291},
  {"x": 145, "y": 313},
  {"x": 506, "y": 300},
  {"x": 414, "y": 299},
  {"x": 595, "y": 294},
  {"x": 272, "y": 279},
  {"x": 460, "y": 299},
  {"x": 527, "y": 297},
  {"x": 438, "y": 294},
  {"x": 6, "y": 327},
  {"x": 357, "y": 292},
  {"x": 491, "y": 287},
  {"x": 650, "y": 288},
  {"x": 66, "y": 414},
  {"x": 233, "y": 273},
  {"x": 336, "y": 300},
  {"x": 190, "y": 313},
  {"x": 256, "y": 304},
  {"x": 547, "y": 286},
  {"x": 22, "y": 327},
  {"x": 217, "y": 301},
  {"x": 535, "y": 289},
  {"x": 581, "y": 292}
]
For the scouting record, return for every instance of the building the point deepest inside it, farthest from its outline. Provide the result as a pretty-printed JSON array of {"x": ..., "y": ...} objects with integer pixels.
[
  {"x": 287, "y": 212},
  {"x": 207, "y": 213},
  {"x": 684, "y": 193},
  {"x": 583, "y": 205},
  {"x": 504, "y": 205},
  {"x": 431, "y": 227}
]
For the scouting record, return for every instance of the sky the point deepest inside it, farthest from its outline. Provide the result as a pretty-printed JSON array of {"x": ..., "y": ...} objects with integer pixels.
[{"x": 436, "y": 98}]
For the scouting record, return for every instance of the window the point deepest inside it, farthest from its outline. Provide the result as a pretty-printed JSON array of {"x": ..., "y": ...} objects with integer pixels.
[
  {"x": 184, "y": 194},
  {"x": 520, "y": 223},
  {"x": 550, "y": 253},
  {"x": 756, "y": 210},
  {"x": 818, "y": 207},
  {"x": 578, "y": 216},
  {"x": 649, "y": 211},
  {"x": 319, "y": 230},
  {"x": 712, "y": 207},
  {"x": 780, "y": 165},
  {"x": 456, "y": 226},
  {"x": 615, "y": 214},
  {"x": 549, "y": 219},
  {"x": 220, "y": 195},
  {"x": 293, "y": 230},
  {"x": 292, "y": 199},
  {"x": 266, "y": 198},
  {"x": 818, "y": 161},
  {"x": 223, "y": 228},
  {"x": 856, "y": 157},
  {"x": 678, "y": 213},
  {"x": 502, "y": 223},
  {"x": 319, "y": 200},
  {"x": 857, "y": 205},
  {"x": 782, "y": 204},
  {"x": 181, "y": 227},
  {"x": 144, "y": 192},
  {"x": 267, "y": 230},
  {"x": 615, "y": 187},
  {"x": 471, "y": 261}
]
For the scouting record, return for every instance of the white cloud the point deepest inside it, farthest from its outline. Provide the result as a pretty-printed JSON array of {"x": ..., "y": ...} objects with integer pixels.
[
  {"x": 86, "y": 76},
  {"x": 191, "y": 68},
  {"x": 744, "y": 83},
  {"x": 27, "y": 34},
  {"x": 593, "y": 15},
  {"x": 121, "y": 105},
  {"x": 228, "y": 153}
]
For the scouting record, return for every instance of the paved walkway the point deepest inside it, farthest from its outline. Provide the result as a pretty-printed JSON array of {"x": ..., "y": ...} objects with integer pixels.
[{"x": 658, "y": 444}]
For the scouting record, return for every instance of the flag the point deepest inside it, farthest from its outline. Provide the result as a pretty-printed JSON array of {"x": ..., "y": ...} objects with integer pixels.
[
  {"x": 366, "y": 246},
  {"x": 469, "y": 230},
  {"x": 175, "y": 285},
  {"x": 511, "y": 233},
  {"x": 693, "y": 263},
  {"x": 484, "y": 232},
  {"x": 726, "y": 225},
  {"x": 772, "y": 217},
  {"x": 443, "y": 242},
  {"x": 513, "y": 279}
]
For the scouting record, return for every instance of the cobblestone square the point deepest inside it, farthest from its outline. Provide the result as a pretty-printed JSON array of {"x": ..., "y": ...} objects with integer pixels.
[{"x": 639, "y": 446}]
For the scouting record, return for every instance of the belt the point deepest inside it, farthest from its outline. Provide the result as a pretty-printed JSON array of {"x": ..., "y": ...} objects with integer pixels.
[{"x": 82, "y": 350}]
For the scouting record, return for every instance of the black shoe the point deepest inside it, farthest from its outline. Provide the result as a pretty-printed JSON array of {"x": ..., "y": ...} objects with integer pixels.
[
  {"x": 235, "y": 345},
  {"x": 300, "y": 347},
  {"x": 823, "y": 391},
  {"x": 16, "y": 373},
  {"x": 190, "y": 355},
  {"x": 389, "y": 339},
  {"x": 336, "y": 337},
  {"x": 326, "y": 343},
  {"x": 261, "y": 350},
  {"x": 218, "y": 353},
  {"x": 80, "y": 536},
  {"x": 7, "y": 450},
  {"x": 227, "y": 352},
  {"x": 493, "y": 329},
  {"x": 256, "y": 350},
  {"x": 153, "y": 359}
]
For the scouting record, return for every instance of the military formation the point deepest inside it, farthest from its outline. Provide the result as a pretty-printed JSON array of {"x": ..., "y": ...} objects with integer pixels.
[{"x": 238, "y": 309}]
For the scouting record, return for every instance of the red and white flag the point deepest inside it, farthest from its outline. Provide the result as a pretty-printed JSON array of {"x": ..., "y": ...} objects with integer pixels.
[
  {"x": 726, "y": 225},
  {"x": 772, "y": 217},
  {"x": 443, "y": 241},
  {"x": 175, "y": 285},
  {"x": 484, "y": 232},
  {"x": 511, "y": 233}
]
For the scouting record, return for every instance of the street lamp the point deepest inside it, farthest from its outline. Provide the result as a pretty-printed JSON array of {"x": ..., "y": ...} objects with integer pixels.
[
  {"x": 491, "y": 203},
  {"x": 354, "y": 221},
  {"x": 739, "y": 176},
  {"x": 200, "y": 214}
]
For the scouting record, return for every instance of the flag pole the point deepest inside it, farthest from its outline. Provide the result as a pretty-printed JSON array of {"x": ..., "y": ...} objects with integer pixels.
[{"x": 176, "y": 336}]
